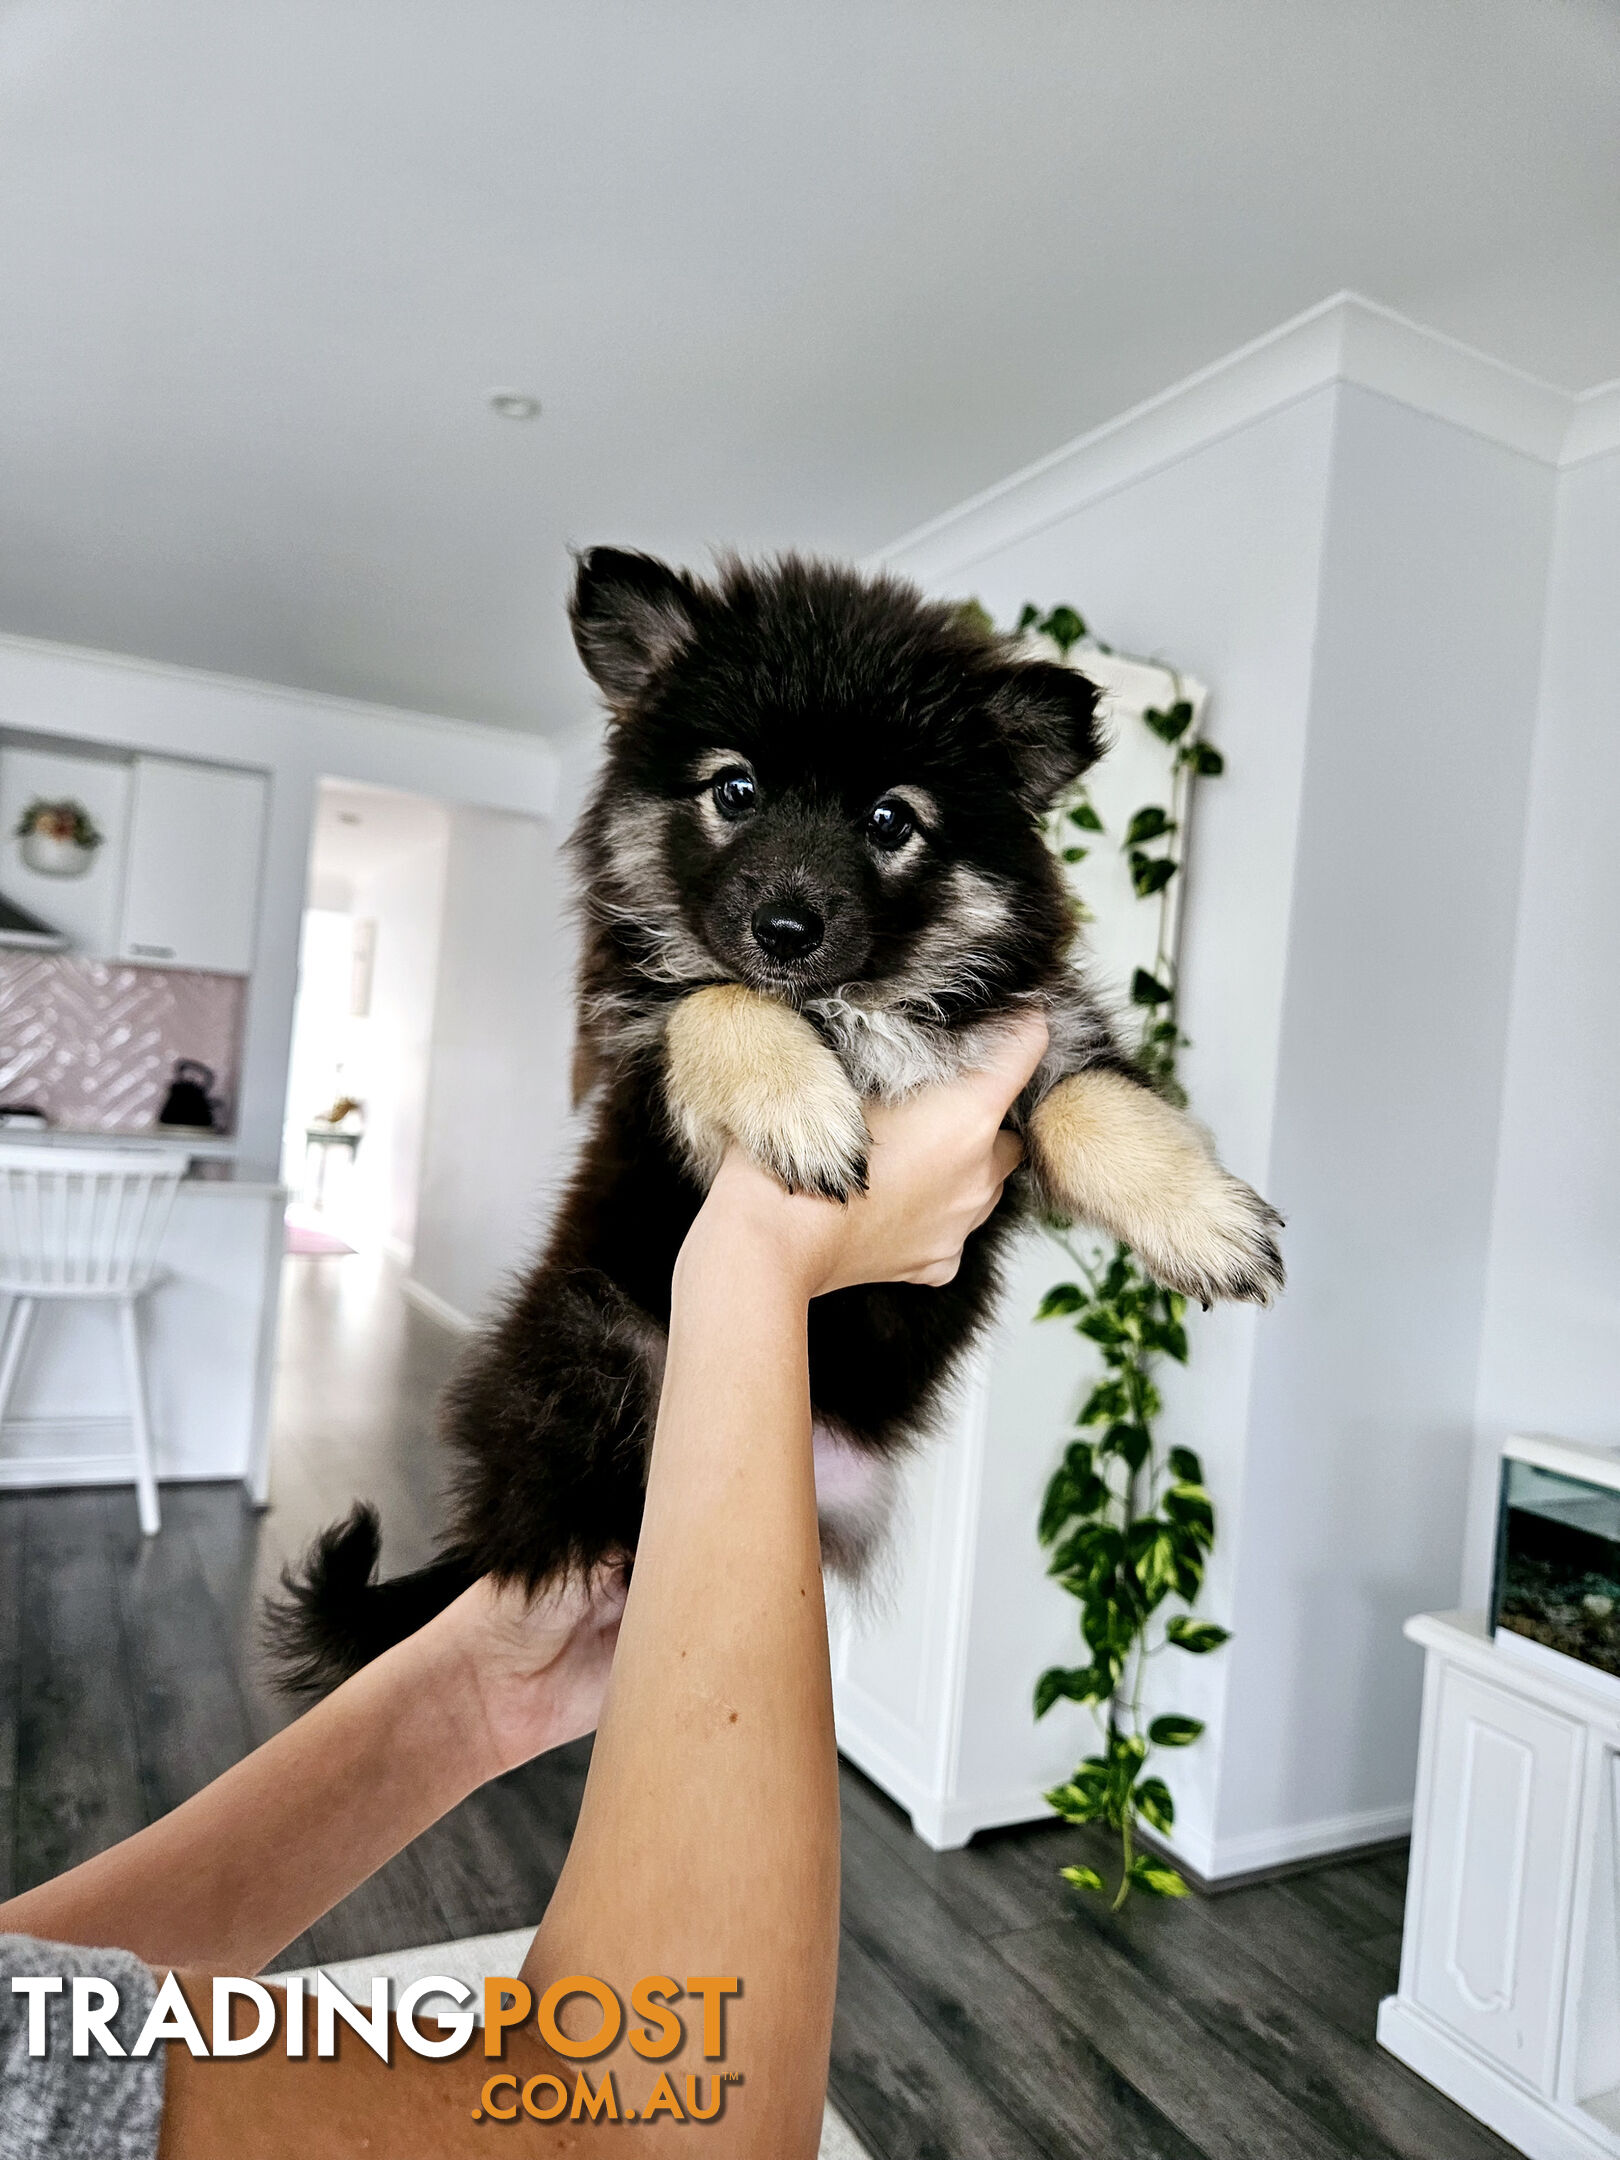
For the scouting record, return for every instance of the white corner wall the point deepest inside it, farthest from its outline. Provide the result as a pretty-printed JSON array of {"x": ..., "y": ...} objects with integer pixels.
[
  {"x": 1389, "y": 1070},
  {"x": 1550, "y": 1354},
  {"x": 497, "y": 1137}
]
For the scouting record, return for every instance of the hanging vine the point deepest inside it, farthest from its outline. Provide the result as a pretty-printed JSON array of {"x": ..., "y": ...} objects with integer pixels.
[{"x": 1129, "y": 1525}]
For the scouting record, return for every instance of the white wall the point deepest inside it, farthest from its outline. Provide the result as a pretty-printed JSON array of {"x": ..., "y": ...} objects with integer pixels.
[
  {"x": 497, "y": 1136},
  {"x": 404, "y": 897},
  {"x": 296, "y": 737},
  {"x": 1550, "y": 1357}
]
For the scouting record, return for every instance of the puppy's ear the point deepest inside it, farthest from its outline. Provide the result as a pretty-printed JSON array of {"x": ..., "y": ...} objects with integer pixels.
[
  {"x": 1048, "y": 719},
  {"x": 631, "y": 614}
]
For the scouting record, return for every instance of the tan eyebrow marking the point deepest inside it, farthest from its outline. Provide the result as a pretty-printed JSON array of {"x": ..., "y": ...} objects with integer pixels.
[
  {"x": 917, "y": 800},
  {"x": 714, "y": 762}
]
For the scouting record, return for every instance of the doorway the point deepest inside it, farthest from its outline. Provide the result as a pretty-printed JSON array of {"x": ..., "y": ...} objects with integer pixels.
[{"x": 357, "y": 1079}]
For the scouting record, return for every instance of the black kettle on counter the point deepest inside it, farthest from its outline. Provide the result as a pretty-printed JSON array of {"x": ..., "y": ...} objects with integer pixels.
[{"x": 188, "y": 1101}]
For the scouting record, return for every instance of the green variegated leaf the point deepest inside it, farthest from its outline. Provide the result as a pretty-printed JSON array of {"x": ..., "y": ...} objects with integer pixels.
[
  {"x": 1065, "y": 627},
  {"x": 1154, "y": 1804},
  {"x": 1131, "y": 1443},
  {"x": 1107, "y": 1400},
  {"x": 1170, "y": 725},
  {"x": 1191, "y": 1507},
  {"x": 1150, "y": 874},
  {"x": 1083, "y": 816},
  {"x": 1082, "y": 1878},
  {"x": 1167, "y": 1336},
  {"x": 1148, "y": 824},
  {"x": 1198, "y": 1636},
  {"x": 1061, "y": 1684},
  {"x": 1063, "y": 1297},
  {"x": 1101, "y": 1326},
  {"x": 1172, "y": 1731},
  {"x": 1156, "y": 1877},
  {"x": 1184, "y": 1464}
]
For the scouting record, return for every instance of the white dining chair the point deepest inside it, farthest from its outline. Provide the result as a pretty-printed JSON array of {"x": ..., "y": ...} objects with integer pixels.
[{"x": 78, "y": 1224}]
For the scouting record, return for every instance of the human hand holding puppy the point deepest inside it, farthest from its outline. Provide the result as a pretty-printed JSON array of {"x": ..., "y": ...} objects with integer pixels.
[{"x": 936, "y": 1167}]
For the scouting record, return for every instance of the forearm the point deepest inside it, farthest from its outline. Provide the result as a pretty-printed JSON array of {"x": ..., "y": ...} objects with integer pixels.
[
  {"x": 708, "y": 1840},
  {"x": 235, "y": 1873}
]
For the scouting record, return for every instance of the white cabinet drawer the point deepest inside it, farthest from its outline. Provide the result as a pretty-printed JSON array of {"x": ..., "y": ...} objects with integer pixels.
[
  {"x": 1493, "y": 1913},
  {"x": 191, "y": 886}
]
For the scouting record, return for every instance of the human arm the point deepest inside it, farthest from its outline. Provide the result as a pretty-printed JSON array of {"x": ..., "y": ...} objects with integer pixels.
[{"x": 708, "y": 1839}]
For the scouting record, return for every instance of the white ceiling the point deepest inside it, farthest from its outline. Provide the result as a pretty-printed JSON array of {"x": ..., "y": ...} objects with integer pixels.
[
  {"x": 361, "y": 831},
  {"x": 780, "y": 274}
]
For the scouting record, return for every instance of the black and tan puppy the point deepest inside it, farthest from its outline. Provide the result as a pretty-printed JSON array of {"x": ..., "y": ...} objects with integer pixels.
[{"x": 813, "y": 873}]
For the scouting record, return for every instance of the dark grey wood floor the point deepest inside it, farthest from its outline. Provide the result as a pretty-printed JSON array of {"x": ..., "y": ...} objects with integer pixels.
[{"x": 984, "y": 2012}]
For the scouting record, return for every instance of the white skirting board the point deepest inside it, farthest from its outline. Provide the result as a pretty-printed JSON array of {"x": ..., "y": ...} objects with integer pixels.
[
  {"x": 1490, "y": 2095},
  {"x": 1255, "y": 1851},
  {"x": 436, "y": 1307}
]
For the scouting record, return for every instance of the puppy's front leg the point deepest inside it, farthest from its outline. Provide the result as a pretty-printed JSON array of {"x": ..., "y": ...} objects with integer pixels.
[
  {"x": 741, "y": 1067},
  {"x": 1109, "y": 1151}
]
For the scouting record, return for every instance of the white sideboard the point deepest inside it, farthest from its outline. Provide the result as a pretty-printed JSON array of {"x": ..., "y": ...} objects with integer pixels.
[{"x": 1509, "y": 1995}]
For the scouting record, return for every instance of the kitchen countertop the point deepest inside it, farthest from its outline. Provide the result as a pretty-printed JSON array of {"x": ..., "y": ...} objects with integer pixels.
[{"x": 215, "y": 1167}]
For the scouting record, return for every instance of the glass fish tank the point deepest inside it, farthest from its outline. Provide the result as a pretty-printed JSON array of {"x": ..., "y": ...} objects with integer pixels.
[{"x": 1556, "y": 1592}]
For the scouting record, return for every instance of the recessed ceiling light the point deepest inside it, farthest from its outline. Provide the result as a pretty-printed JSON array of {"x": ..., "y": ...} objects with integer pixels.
[{"x": 514, "y": 405}]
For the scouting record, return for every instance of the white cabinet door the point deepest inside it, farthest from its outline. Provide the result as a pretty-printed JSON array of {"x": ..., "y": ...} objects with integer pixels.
[
  {"x": 1500, "y": 1853},
  {"x": 85, "y": 907},
  {"x": 191, "y": 890}
]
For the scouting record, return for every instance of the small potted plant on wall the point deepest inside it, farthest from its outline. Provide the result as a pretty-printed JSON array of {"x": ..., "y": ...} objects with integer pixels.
[{"x": 58, "y": 839}]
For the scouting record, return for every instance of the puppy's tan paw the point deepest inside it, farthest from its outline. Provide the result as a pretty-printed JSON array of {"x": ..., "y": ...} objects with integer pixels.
[
  {"x": 1109, "y": 1151},
  {"x": 743, "y": 1068},
  {"x": 1221, "y": 1243}
]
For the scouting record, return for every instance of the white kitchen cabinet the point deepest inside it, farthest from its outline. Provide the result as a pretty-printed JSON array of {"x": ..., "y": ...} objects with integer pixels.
[
  {"x": 1510, "y": 1962},
  {"x": 191, "y": 883},
  {"x": 84, "y": 908}
]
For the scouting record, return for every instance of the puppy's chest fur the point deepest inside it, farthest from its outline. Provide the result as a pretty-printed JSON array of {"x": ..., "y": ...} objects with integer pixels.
[
  {"x": 886, "y": 1052},
  {"x": 890, "y": 1053}
]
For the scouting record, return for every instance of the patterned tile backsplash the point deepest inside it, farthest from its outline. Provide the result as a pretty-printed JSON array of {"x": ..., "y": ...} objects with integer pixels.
[{"x": 93, "y": 1043}]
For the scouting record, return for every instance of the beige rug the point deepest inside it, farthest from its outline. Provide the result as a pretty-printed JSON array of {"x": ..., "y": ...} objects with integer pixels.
[{"x": 471, "y": 1961}]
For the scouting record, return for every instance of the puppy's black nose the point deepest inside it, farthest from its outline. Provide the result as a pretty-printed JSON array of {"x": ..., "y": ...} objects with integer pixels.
[{"x": 788, "y": 929}]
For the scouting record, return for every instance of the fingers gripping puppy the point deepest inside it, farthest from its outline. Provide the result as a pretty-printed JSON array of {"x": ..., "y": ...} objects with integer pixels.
[{"x": 813, "y": 873}]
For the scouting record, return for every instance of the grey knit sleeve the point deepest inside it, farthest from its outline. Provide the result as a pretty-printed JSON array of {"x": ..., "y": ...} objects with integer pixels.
[{"x": 62, "y": 2106}]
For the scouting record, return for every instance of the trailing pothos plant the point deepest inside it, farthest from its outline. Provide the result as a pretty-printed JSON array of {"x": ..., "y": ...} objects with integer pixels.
[{"x": 1128, "y": 1523}]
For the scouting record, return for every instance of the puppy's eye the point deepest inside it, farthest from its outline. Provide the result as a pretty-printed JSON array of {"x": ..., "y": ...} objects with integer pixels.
[
  {"x": 735, "y": 794},
  {"x": 890, "y": 824}
]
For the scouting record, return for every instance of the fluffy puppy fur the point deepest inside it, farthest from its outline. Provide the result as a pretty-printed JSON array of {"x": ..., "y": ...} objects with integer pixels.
[{"x": 813, "y": 874}]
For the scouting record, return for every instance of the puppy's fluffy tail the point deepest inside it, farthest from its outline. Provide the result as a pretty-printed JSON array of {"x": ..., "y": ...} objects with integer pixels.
[{"x": 335, "y": 1616}]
